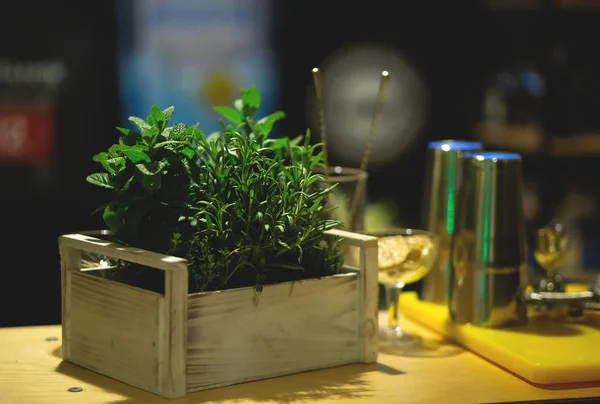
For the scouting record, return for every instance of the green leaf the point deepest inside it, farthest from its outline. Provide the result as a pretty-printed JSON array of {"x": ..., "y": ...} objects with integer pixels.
[
  {"x": 139, "y": 123},
  {"x": 136, "y": 156},
  {"x": 272, "y": 118},
  {"x": 188, "y": 152},
  {"x": 230, "y": 114},
  {"x": 170, "y": 144},
  {"x": 113, "y": 218},
  {"x": 124, "y": 130},
  {"x": 100, "y": 179},
  {"x": 250, "y": 100},
  {"x": 296, "y": 141},
  {"x": 151, "y": 168},
  {"x": 284, "y": 244},
  {"x": 149, "y": 136},
  {"x": 177, "y": 131},
  {"x": 100, "y": 208},
  {"x": 156, "y": 118},
  {"x": 135, "y": 153},
  {"x": 194, "y": 133},
  {"x": 114, "y": 165},
  {"x": 124, "y": 148},
  {"x": 157, "y": 114},
  {"x": 127, "y": 184},
  {"x": 226, "y": 128},
  {"x": 213, "y": 137},
  {"x": 167, "y": 113},
  {"x": 130, "y": 137},
  {"x": 238, "y": 104},
  {"x": 100, "y": 157}
]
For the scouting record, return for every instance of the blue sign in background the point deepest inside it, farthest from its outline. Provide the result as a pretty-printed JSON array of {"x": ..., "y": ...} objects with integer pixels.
[{"x": 194, "y": 54}]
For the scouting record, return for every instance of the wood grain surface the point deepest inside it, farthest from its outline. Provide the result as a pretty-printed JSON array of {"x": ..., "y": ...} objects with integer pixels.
[
  {"x": 297, "y": 326},
  {"x": 31, "y": 371}
]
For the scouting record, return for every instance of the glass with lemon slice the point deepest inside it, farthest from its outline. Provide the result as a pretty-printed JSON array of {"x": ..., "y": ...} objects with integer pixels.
[{"x": 405, "y": 256}]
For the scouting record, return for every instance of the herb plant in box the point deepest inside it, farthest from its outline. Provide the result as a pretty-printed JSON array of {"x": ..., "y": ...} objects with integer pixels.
[{"x": 225, "y": 269}]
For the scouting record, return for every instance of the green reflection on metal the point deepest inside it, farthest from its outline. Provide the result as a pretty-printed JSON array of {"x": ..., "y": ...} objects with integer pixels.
[
  {"x": 451, "y": 193},
  {"x": 485, "y": 234}
]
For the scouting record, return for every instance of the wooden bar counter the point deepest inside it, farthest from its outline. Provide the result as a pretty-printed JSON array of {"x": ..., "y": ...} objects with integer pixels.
[{"x": 31, "y": 371}]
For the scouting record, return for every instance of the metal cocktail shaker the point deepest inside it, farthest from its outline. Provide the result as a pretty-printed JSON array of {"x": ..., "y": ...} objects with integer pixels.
[
  {"x": 489, "y": 247},
  {"x": 443, "y": 179}
]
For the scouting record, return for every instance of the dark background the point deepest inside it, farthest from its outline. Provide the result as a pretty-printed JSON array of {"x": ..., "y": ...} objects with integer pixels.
[
  {"x": 456, "y": 47},
  {"x": 83, "y": 37}
]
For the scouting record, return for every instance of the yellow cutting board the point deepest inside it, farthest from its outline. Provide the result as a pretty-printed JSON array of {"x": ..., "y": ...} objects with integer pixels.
[{"x": 548, "y": 350}]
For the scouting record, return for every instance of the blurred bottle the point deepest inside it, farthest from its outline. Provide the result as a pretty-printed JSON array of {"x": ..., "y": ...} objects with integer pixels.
[
  {"x": 571, "y": 190},
  {"x": 512, "y": 120}
]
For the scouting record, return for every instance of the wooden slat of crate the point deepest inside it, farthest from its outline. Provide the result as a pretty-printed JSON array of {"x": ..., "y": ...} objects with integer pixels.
[{"x": 292, "y": 327}]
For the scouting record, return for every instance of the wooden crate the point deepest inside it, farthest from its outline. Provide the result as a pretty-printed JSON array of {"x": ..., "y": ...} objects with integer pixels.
[{"x": 176, "y": 342}]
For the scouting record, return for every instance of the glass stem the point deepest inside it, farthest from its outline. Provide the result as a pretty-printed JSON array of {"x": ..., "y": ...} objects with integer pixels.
[{"x": 392, "y": 294}]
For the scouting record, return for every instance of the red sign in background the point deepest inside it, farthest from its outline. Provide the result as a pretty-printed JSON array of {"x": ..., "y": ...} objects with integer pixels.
[{"x": 26, "y": 134}]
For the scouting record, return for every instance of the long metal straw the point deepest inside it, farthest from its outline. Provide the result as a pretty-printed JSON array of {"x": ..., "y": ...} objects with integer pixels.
[
  {"x": 383, "y": 85},
  {"x": 319, "y": 98}
]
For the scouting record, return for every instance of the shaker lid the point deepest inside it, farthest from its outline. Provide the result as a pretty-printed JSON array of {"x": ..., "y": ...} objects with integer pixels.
[
  {"x": 494, "y": 156},
  {"x": 460, "y": 145},
  {"x": 497, "y": 159}
]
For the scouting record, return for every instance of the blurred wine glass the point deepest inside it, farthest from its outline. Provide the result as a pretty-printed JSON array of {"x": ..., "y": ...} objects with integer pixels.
[
  {"x": 405, "y": 256},
  {"x": 344, "y": 195},
  {"x": 551, "y": 245}
]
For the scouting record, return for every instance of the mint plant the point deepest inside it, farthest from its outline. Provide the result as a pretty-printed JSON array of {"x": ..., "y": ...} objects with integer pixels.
[
  {"x": 243, "y": 209},
  {"x": 149, "y": 173}
]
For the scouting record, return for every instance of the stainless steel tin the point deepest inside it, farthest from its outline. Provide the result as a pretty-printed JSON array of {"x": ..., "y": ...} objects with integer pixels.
[
  {"x": 444, "y": 173},
  {"x": 489, "y": 246}
]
